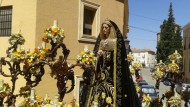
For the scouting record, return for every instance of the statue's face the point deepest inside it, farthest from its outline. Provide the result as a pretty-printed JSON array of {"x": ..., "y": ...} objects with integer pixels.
[{"x": 106, "y": 29}]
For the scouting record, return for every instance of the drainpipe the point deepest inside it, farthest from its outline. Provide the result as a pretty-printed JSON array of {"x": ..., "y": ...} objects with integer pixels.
[{"x": 125, "y": 19}]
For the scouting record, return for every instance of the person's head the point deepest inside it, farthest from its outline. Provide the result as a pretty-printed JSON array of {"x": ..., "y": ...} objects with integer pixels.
[{"x": 107, "y": 30}]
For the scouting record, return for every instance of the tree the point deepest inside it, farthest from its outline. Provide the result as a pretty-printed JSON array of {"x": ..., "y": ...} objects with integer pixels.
[{"x": 170, "y": 38}]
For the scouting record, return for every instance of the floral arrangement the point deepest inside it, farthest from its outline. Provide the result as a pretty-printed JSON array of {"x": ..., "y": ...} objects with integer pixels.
[
  {"x": 21, "y": 55},
  {"x": 175, "y": 56},
  {"x": 146, "y": 100},
  {"x": 54, "y": 33},
  {"x": 37, "y": 101},
  {"x": 157, "y": 74},
  {"x": 130, "y": 57},
  {"x": 162, "y": 67},
  {"x": 86, "y": 57},
  {"x": 41, "y": 102},
  {"x": 136, "y": 65},
  {"x": 4, "y": 89},
  {"x": 173, "y": 67},
  {"x": 174, "y": 101},
  {"x": 16, "y": 38}
]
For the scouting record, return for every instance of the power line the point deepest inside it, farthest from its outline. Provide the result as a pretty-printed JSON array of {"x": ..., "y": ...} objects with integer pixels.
[
  {"x": 142, "y": 39},
  {"x": 145, "y": 17},
  {"x": 143, "y": 29}
]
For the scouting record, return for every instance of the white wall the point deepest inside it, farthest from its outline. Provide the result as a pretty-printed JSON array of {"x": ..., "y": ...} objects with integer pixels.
[{"x": 144, "y": 57}]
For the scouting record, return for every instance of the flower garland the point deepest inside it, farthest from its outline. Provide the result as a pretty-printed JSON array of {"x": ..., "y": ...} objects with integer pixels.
[
  {"x": 16, "y": 38},
  {"x": 53, "y": 33},
  {"x": 86, "y": 57}
]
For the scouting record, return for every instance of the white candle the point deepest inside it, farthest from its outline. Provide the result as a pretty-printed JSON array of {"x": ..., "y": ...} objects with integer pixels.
[
  {"x": 1, "y": 82},
  {"x": 85, "y": 47},
  {"x": 19, "y": 31},
  {"x": 32, "y": 94},
  {"x": 18, "y": 47},
  {"x": 175, "y": 51},
  {"x": 43, "y": 44},
  {"x": 5, "y": 104},
  {"x": 55, "y": 23},
  {"x": 56, "y": 99},
  {"x": 158, "y": 69}
]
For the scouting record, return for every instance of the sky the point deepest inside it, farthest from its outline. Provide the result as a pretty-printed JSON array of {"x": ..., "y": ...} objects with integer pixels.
[{"x": 146, "y": 16}]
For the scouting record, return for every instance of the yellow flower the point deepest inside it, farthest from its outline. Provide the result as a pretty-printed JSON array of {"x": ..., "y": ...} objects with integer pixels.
[
  {"x": 55, "y": 29},
  {"x": 108, "y": 100},
  {"x": 48, "y": 105},
  {"x": 103, "y": 95},
  {"x": 132, "y": 71},
  {"x": 137, "y": 88},
  {"x": 146, "y": 98},
  {"x": 130, "y": 57}
]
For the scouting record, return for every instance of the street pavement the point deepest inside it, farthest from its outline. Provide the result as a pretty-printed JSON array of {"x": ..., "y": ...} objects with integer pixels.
[{"x": 146, "y": 74}]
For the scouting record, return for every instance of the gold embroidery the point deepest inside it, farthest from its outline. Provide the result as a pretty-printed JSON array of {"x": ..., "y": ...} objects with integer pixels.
[{"x": 107, "y": 44}]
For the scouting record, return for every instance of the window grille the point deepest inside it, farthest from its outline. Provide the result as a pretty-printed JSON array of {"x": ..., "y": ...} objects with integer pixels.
[{"x": 5, "y": 20}]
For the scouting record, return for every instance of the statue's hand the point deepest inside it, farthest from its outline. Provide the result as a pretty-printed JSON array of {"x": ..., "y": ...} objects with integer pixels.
[{"x": 100, "y": 52}]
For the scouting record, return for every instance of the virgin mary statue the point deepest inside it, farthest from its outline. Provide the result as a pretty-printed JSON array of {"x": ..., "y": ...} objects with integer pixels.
[{"x": 114, "y": 86}]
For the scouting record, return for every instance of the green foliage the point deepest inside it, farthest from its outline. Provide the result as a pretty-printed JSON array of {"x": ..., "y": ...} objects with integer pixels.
[{"x": 170, "y": 38}]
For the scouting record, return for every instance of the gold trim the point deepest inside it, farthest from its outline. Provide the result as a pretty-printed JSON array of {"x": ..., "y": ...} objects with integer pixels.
[
  {"x": 115, "y": 74},
  {"x": 90, "y": 94}
]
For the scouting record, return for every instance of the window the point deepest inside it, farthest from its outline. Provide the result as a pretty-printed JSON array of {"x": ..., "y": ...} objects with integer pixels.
[
  {"x": 79, "y": 84},
  {"x": 89, "y": 22},
  {"x": 5, "y": 20},
  {"x": 89, "y": 14}
]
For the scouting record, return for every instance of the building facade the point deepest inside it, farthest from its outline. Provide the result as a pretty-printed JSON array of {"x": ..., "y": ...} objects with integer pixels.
[
  {"x": 145, "y": 56},
  {"x": 186, "y": 52},
  {"x": 80, "y": 19}
]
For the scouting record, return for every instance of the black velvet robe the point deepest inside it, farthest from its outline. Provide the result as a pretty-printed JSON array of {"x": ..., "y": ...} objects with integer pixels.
[{"x": 114, "y": 79}]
